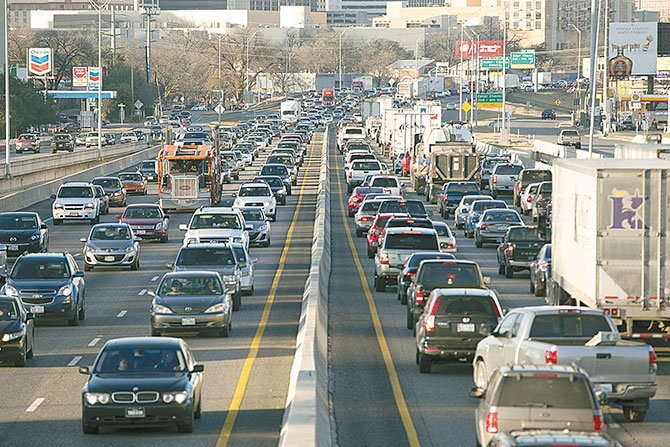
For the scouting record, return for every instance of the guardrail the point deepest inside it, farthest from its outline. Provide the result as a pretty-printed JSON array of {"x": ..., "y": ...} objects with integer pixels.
[{"x": 307, "y": 418}]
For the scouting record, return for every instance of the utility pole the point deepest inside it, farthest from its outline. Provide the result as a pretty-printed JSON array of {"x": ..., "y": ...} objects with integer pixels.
[
  {"x": 246, "y": 70},
  {"x": 99, "y": 6},
  {"x": 579, "y": 70},
  {"x": 220, "y": 93},
  {"x": 149, "y": 8},
  {"x": 6, "y": 62},
  {"x": 604, "y": 109},
  {"x": 595, "y": 30}
]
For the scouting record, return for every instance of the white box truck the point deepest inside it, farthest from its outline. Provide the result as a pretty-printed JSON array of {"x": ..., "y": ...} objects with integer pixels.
[
  {"x": 609, "y": 242},
  {"x": 290, "y": 110}
]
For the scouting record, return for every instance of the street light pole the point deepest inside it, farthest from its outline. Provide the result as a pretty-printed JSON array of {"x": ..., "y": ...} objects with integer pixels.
[
  {"x": 219, "y": 75},
  {"x": 246, "y": 71},
  {"x": 340, "y": 59},
  {"x": 99, "y": 7},
  {"x": 503, "y": 131},
  {"x": 474, "y": 110},
  {"x": 460, "y": 78},
  {"x": 595, "y": 30},
  {"x": 6, "y": 62},
  {"x": 579, "y": 65}
]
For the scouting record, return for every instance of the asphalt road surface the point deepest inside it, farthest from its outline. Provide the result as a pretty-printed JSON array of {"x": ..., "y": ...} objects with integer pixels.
[
  {"x": 246, "y": 375},
  {"x": 379, "y": 397}
]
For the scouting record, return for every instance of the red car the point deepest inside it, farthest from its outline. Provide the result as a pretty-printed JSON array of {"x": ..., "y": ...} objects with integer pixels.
[
  {"x": 406, "y": 164},
  {"x": 134, "y": 183},
  {"x": 358, "y": 195},
  {"x": 28, "y": 142},
  {"x": 376, "y": 230},
  {"x": 147, "y": 221}
]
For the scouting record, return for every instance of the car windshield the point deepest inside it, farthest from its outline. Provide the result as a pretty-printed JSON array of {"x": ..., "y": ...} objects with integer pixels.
[
  {"x": 523, "y": 234},
  {"x": 408, "y": 222},
  {"x": 409, "y": 207},
  {"x": 385, "y": 182},
  {"x": 508, "y": 169},
  {"x": 462, "y": 187},
  {"x": 230, "y": 221},
  {"x": 545, "y": 391},
  {"x": 206, "y": 256},
  {"x": 354, "y": 131},
  {"x": 283, "y": 159},
  {"x": 190, "y": 286},
  {"x": 274, "y": 182},
  {"x": 365, "y": 190},
  {"x": 61, "y": 137},
  {"x": 14, "y": 222},
  {"x": 111, "y": 233},
  {"x": 142, "y": 213},
  {"x": 8, "y": 311},
  {"x": 254, "y": 191},
  {"x": 467, "y": 200},
  {"x": 274, "y": 170},
  {"x": 502, "y": 217},
  {"x": 252, "y": 215},
  {"x": 27, "y": 268},
  {"x": 366, "y": 166},
  {"x": 131, "y": 177},
  {"x": 449, "y": 274},
  {"x": 107, "y": 182},
  {"x": 442, "y": 229},
  {"x": 567, "y": 325},
  {"x": 466, "y": 305},
  {"x": 75, "y": 192},
  {"x": 26, "y": 137},
  {"x": 370, "y": 207},
  {"x": 536, "y": 176},
  {"x": 140, "y": 360},
  {"x": 489, "y": 163},
  {"x": 410, "y": 241}
]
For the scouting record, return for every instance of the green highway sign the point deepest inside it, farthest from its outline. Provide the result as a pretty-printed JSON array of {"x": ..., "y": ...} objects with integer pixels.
[
  {"x": 494, "y": 63},
  {"x": 523, "y": 59},
  {"x": 489, "y": 97}
]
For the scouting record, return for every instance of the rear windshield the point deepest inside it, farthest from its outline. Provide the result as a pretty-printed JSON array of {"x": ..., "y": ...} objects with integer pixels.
[
  {"x": 410, "y": 241},
  {"x": 385, "y": 182},
  {"x": 481, "y": 206},
  {"x": 466, "y": 305},
  {"x": 462, "y": 187},
  {"x": 545, "y": 392},
  {"x": 416, "y": 259},
  {"x": 545, "y": 188},
  {"x": 371, "y": 207},
  {"x": 467, "y": 200},
  {"x": 490, "y": 163},
  {"x": 366, "y": 166},
  {"x": 274, "y": 170},
  {"x": 354, "y": 147},
  {"x": 568, "y": 325},
  {"x": 382, "y": 221},
  {"x": 536, "y": 176},
  {"x": 524, "y": 234},
  {"x": 570, "y": 133},
  {"x": 409, "y": 207},
  {"x": 508, "y": 169},
  {"x": 498, "y": 216},
  {"x": 449, "y": 274},
  {"x": 206, "y": 256},
  {"x": 442, "y": 229},
  {"x": 365, "y": 190},
  {"x": 354, "y": 131},
  {"x": 402, "y": 222}
]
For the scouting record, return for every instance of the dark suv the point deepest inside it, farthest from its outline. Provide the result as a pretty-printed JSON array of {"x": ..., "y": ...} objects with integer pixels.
[
  {"x": 50, "y": 285},
  {"x": 23, "y": 232}
]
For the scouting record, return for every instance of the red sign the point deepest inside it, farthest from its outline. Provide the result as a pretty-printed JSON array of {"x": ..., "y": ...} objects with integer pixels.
[{"x": 487, "y": 48}]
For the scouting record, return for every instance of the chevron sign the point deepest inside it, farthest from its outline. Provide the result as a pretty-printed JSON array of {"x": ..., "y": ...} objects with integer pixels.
[
  {"x": 93, "y": 78},
  {"x": 39, "y": 61}
]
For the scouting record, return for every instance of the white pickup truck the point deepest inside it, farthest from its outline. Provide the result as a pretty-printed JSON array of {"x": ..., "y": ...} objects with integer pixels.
[
  {"x": 623, "y": 372},
  {"x": 360, "y": 169}
]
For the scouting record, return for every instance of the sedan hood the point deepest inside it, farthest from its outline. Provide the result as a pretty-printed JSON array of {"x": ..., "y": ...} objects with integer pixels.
[
  {"x": 7, "y": 327},
  {"x": 109, "y": 383},
  {"x": 20, "y": 235}
]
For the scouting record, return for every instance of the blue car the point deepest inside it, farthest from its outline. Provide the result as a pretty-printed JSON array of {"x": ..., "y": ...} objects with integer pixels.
[{"x": 478, "y": 207}]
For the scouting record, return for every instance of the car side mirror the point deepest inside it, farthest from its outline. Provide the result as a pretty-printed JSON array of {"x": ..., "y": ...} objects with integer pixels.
[
  {"x": 183, "y": 227},
  {"x": 79, "y": 274},
  {"x": 43, "y": 226},
  {"x": 477, "y": 392},
  {"x": 83, "y": 240},
  {"x": 30, "y": 316},
  {"x": 234, "y": 194},
  {"x": 248, "y": 227},
  {"x": 198, "y": 368},
  {"x": 170, "y": 265},
  {"x": 151, "y": 293},
  {"x": 487, "y": 280},
  {"x": 53, "y": 196},
  {"x": 85, "y": 370}
]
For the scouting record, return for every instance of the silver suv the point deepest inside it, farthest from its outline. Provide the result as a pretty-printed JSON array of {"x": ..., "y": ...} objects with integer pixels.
[
  {"x": 503, "y": 177},
  {"x": 398, "y": 245}
]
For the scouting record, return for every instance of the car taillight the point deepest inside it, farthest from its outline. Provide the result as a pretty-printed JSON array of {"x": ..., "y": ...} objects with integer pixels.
[
  {"x": 551, "y": 357},
  {"x": 446, "y": 198},
  {"x": 349, "y": 174},
  {"x": 450, "y": 245},
  {"x": 484, "y": 227},
  {"x": 598, "y": 423},
  {"x": 540, "y": 200},
  {"x": 494, "y": 179},
  {"x": 544, "y": 266},
  {"x": 429, "y": 322},
  {"x": 384, "y": 258},
  {"x": 364, "y": 219},
  {"x": 420, "y": 296},
  {"x": 652, "y": 360},
  {"x": 529, "y": 199},
  {"x": 492, "y": 422},
  {"x": 509, "y": 251},
  {"x": 519, "y": 187},
  {"x": 409, "y": 275}
]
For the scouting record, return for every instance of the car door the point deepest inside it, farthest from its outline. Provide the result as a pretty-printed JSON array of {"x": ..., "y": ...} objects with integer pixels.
[
  {"x": 195, "y": 378},
  {"x": 499, "y": 345},
  {"x": 78, "y": 281}
]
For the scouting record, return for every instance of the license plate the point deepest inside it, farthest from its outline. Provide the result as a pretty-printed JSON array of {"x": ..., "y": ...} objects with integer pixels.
[
  {"x": 135, "y": 412},
  {"x": 109, "y": 258},
  {"x": 465, "y": 327},
  {"x": 502, "y": 227},
  {"x": 188, "y": 321},
  {"x": 604, "y": 387},
  {"x": 37, "y": 309},
  {"x": 73, "y": 214},
  {"x": 140, "y": 232},
  {"x": 13, "y": 247}
]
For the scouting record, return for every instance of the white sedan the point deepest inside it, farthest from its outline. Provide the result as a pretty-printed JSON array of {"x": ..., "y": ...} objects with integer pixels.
[{"x": 257, "y": 195}]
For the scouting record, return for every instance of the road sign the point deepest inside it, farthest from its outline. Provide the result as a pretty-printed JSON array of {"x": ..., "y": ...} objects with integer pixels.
[
  {"x": 523, "y": 59},
  {"x": 138, "y": 104},
  {"x": 494, "y": 63},
  {"x": 557, "y": 102},
  {"x": 93, "y": 78},
  {"x": 489, "y": 100},
  {"x": 466, "y": 107},
  {"x": 79, "y": 76},
  {"x": 39, "y": 61},
  {"x": 219, "y": 109},
  {"x": 391, "y": 82},
  {"x": 215, "y": 100}
]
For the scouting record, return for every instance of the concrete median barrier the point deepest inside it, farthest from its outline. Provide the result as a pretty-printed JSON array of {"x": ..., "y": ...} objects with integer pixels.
[
  {"x": 307, "y": 417},
  {"x": 44, "y": 190}
]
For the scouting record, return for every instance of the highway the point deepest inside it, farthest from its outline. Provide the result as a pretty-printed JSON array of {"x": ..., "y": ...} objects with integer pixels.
[
  {"x": 378, "y": 395},
  {"x": 246, "y": 375}
]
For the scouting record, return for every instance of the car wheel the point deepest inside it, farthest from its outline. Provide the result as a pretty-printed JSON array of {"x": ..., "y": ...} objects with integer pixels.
[
  {"x": 410, "y": 319},
  {"x": 501, "y": 269},
  {"x": 188, "y": 426},
  {"x": 58, "y": 221},
  {"x": 135, "y": 265},
  {"x": 74, "y": 321},
  {"x": 30, "y": 354},
  {"x": 380, "y": 284},
  {"x": 96, "y": 220},
  {"x": 87, "y": 267},
  {"x": 237, "y": 301},
  {"x": 403, "y": 298},
  {"x": 425, "y": 364},
  {"x": 481, "y": 376},
  {"x": 82, "y": 312},
  {"x": 21, "y": 361},
  {"x": 198, "y": 410},
  {"x": 416, "y": 357},
  {"x": 634, "y": 414},
  {"x": 349, "y": 188},
  {"x": 539, "y": 291},
  {"x": 88, "y": 430},
  {"x": 509, "y": 272},
  {"x": 224, "y": 331}
]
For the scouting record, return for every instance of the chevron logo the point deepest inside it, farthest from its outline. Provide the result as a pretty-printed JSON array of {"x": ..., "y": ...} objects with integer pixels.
[{"x": 39, "y": 61}]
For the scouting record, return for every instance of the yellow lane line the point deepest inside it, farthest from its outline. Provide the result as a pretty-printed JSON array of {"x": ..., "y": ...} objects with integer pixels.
[
  {"x": 398, "y": 396},
  {"x": 238, "y": 396}
]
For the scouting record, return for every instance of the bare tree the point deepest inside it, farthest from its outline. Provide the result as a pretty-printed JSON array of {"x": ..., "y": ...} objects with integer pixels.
[{"x": 378, "y": 54}]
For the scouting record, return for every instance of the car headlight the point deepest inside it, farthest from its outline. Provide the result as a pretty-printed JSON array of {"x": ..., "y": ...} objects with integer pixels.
[
  {"x": 217, "y": 308},
  {"x": 230, "y": 279},
  {"x": 65, "y": 291},
  {"x": 13, "y": 335},
  {"x": 281, "y": 191},
  {"x": 96, "y": 398},
  {"x": 263, "y": 227},
  {"x": 175, "y": 396},
  {"x": 34, "y": 237},
  {"x": 160, "y": 309},
  {"x": 159, "y": 226},
  {"x": 11, "y": 291},
  {"x": 90, "y": 206},
  {"x": 129, "y": 249},
  {"x": 118, "y": 193},
  {"x": 89, "y": 249},
  {"x": 58, "y": 206},
  {"x": 237, "y": 239}
]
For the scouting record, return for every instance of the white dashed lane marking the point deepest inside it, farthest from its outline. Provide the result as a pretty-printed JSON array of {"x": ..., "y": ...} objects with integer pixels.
[
  {"x": 34, "y": 405},
  {"x": 142, "y": 292},
  {"x": 95, "y": 341},
  {"x": 121, "y": 314},
  {"x": 74, "y": 360}
]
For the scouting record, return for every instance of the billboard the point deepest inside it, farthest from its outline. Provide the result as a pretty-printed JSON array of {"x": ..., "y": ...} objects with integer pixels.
[
  {"x": 93, "y": 78},
  {"x": 487, "y": 48},
  {"x": 79, "y": 76},
  {"x": 39, "y": 61},
  {"x": 633, "y": 49}
]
